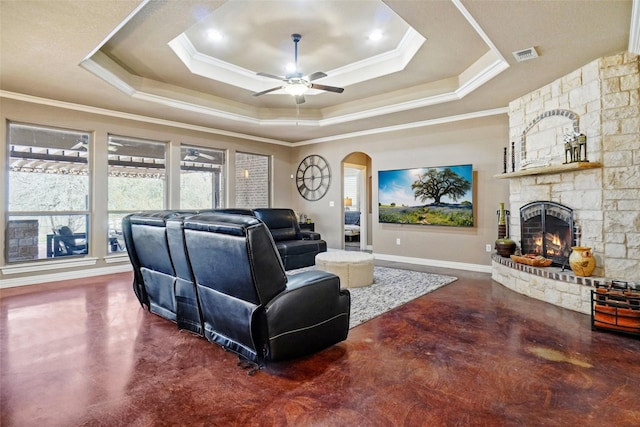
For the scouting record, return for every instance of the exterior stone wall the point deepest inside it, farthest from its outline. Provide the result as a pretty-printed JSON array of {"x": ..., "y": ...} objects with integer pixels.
[
  {"x": 23, "y": 239},
  {"x": 252, "y": 189},
  {"x": 603, "y": 100}
]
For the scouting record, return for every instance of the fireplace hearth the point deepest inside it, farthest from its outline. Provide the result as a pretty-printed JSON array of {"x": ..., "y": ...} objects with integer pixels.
[{"x": 547, "y": 229}]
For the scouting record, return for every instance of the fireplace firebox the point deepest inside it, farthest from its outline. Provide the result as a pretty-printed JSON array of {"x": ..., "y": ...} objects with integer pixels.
[{"x": 547, "y": 229}]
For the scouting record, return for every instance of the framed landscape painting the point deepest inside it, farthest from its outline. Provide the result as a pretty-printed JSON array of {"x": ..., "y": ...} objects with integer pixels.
[{"x": 427, "y": 196}]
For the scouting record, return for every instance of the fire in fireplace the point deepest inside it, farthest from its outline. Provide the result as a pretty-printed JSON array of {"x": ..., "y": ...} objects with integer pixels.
[{"x": 547, "y": 229}]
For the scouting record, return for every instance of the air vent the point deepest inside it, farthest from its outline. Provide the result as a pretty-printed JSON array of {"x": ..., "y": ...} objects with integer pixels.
[{"x": 525, "y": 54}]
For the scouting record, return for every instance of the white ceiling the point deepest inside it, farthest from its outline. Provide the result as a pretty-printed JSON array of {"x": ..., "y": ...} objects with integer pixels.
[{"x": 437, "y": 58}]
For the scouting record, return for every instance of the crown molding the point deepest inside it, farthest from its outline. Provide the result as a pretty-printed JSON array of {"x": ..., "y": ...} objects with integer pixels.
[
  {"x": 396, "y": 128},
  {"x": 484, "y": 69},
  {"x": 376, "y": 66},
  {"x": 473, "y": 83},
  {"x": 136, "y": 117},
  {"x": 180, "y": 125}
]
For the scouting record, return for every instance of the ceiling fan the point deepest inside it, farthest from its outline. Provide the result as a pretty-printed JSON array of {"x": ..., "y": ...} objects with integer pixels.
[
  {"x": 296, "y": 83},
  {"x": 83, "y": 144},
  {"x": 192, "y": 154}
]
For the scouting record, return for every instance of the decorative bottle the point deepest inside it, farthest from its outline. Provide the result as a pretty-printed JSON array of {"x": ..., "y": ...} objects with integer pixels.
[{"x": 504, "y": 246}]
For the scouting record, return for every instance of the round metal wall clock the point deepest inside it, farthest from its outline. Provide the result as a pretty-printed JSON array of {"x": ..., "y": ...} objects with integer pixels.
[{"x": 313, "y": 177}]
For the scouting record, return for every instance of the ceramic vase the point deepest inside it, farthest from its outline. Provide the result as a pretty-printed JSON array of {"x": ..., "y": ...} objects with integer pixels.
[
  {"x": 582, "y": 261},
  {"x": 505, "y": 247}
]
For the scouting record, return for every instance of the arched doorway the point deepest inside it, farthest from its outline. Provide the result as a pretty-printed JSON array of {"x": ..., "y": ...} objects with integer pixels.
[{"x": 356, "y": 201}]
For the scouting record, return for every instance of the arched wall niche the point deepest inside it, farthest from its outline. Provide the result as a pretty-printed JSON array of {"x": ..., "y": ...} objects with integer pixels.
[{"x": 551, "y": 113}]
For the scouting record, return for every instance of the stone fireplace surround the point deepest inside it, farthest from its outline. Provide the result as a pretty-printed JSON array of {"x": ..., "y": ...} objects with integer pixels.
[{"x": 602, "y": 101}]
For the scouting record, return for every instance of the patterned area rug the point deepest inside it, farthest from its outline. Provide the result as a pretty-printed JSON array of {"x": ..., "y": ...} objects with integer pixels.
[{"x": 391, "y": 288}]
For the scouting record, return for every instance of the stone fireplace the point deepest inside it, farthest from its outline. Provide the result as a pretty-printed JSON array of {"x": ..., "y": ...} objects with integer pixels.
[
  {"x": 546, "y": 228},
  {"x": 601, "y": 101}
]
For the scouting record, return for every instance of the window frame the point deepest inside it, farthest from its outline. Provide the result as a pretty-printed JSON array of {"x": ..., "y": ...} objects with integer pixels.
[{"x": 51, "y": 159}]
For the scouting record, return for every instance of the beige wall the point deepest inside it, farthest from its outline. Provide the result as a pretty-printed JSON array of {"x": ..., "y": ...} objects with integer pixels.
[
  {"x": 102, "y": 125},
  {"x": 476, "y": 141}
]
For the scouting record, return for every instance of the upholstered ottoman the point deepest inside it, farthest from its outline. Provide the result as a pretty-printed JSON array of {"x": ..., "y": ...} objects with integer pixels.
[{"x": 355, "y": 269}]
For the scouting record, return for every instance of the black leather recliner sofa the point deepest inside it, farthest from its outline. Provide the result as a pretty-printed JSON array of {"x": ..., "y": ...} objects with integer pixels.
[
  {"x": 297, "y": 248},
  {"x": 249, "y": 305},
  {"x": 220, "y": 275},
  {"x": 162, "y": 275}
]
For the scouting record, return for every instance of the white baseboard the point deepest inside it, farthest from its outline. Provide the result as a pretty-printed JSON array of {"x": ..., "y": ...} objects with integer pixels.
[
  {"x": 435, "y": 263},
  {"x": 122, "y": 268},
  {"x": 64, "y": 275}
]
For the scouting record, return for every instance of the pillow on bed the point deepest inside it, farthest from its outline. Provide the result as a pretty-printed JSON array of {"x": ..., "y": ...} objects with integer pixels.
[{"x": 352, "y": 217}]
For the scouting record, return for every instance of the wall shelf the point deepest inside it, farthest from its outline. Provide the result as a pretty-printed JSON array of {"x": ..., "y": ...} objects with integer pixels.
[{"x": 568, "y": 167}]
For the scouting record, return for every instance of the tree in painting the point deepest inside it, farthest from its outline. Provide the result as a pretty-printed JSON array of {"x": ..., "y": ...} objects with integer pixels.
[{"x": 434, "y": 184}]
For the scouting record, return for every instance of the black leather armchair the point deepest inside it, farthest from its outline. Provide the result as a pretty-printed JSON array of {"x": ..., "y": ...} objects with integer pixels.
[
  {"x": 249, "y": 305},
  {"x": 297, "y": 248}
]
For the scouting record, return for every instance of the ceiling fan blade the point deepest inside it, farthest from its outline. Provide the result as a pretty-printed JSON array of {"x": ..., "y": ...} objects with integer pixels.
[
  {"x": 271, "y": 76},
  {"x": 79, "y": 145},
  {"x": 266, "y": 91},
  {"x": 300, "y": 99},
  {"x": 327, "y": 88},
  {"x": 206, "y": 156},
  {"x": 315, "y": 76}
]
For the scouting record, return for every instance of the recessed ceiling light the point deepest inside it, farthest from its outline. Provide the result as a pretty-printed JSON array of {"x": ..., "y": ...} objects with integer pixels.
[
  {"x": 375, "y": 35},
  {"x": 215, "y": 35}
]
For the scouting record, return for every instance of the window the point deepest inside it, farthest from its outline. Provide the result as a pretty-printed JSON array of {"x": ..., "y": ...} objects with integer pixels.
[
  {"x": 201, "y": 178},
  {"x": 48, "y": 213},
  {"x": 253, "y": 174},
  {"x": 351, "y": 188},
  {"x": 136, "y": 182}
]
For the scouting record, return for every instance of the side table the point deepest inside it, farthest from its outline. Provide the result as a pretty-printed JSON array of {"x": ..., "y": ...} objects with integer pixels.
[{"x": 309, "y": 226}]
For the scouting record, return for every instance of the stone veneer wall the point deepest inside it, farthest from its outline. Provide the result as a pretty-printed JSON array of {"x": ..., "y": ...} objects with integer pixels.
[
  {"x": 23, "y": 239},
  {"x": 604, "y": 98},
  {"x": 550, "y": 284}
]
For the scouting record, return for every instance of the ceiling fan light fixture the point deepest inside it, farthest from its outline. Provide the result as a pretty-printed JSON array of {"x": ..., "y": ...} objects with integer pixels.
[
  {"x": 296, "y": 88},
  {"x": 215, "y": 35},
  {"x": 375, "y": 35},
  {"x": 295, "y": 83}
]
